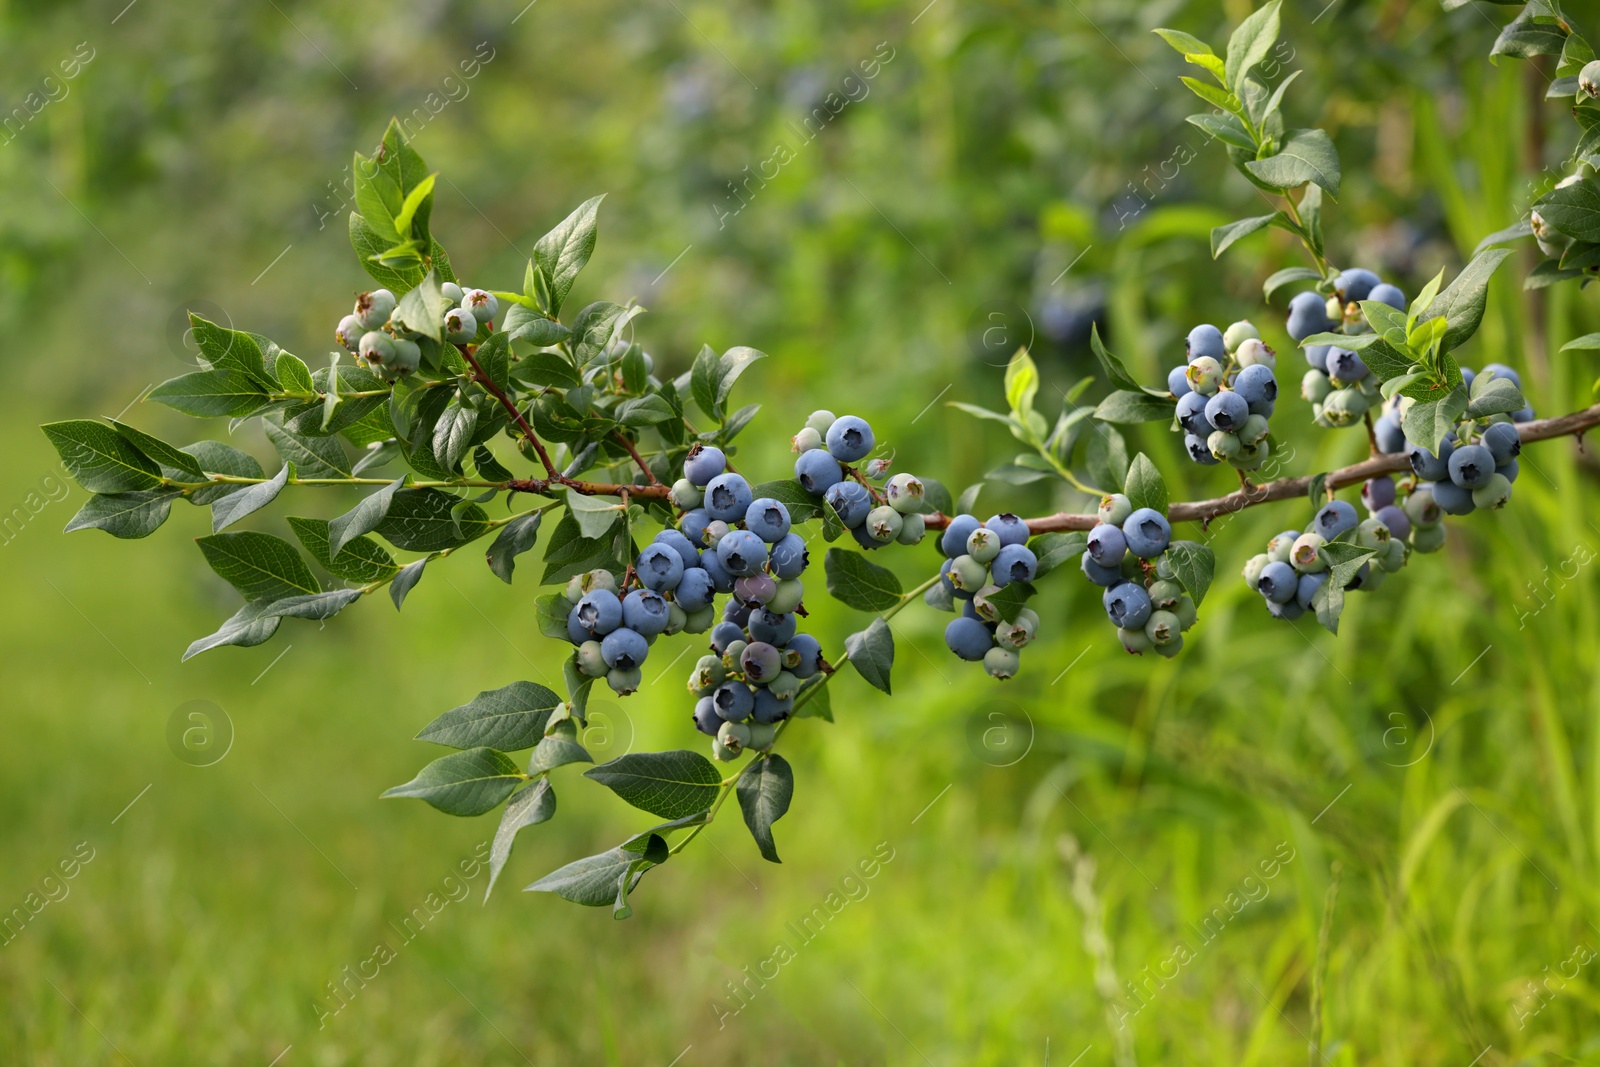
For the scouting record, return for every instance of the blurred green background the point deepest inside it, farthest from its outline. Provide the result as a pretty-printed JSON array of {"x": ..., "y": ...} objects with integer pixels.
[{"x": 1011, "y": 167}]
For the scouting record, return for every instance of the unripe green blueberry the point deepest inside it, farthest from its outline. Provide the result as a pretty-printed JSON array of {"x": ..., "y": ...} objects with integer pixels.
[
  {"x": 1255, "y": 428},
  {"x": 1163, "y": 628},
  {"x": 1393, "y": 556},
  {"x": 912, "y": 529},
  {"x": 1494, "y": 493},
  {"x": 599, "y": 579},
  {"x": 785, "y": 686},
  {"x": 1253, "y": 568},
  {"x": 1029, "y": 616},
  {"x": 1171, "y": 648},
  {"x": 1165, "y": 593},
  {"x": 708, "y": 673},
  {"x": 1281, "y": 547},
  {"x": 1001, "y": 663},
  {"x": 1115, "y": 509},
  {"x": 1135, "y": 641},
  {"x": 700, "y": 621},
  {"x": 940, "y": 597},
  {"x": 1306, "y": 556},
  {"x": 460, "y": 326},
  {"x": 1186, "y": 613},
  {"x": 1422, "y": 509},
  {"x": 1427, "y": 538},
  {"x": 1164, "y": 568},
  {"x": 686, "y": 496},
  {"x": 1374, "y": 578},
  {"x": 722, "y": 753},
  {"x": 1204, "y": 375},
  {"x": 589, "y": 660},
  {"x": 1334, "y": 308},
  {"x": 677, "y": 619},
  {"x": 821, "y": 421},
  {"x": 1237, "y": 334},
  {"x": 884, "y": 523},
  {"x": 716, "y": 530},
  {"x": 1315, "y": 386},
  {"x": 574, "y": 590},
  {"x": 1372, "y": 533},
  {"x": 807, "y": 439},
  {"x": 452, "y": 293},
  {"x": 905, "y": 493},
  {"x": 731, "y": 654},
  {"x": 787, "y": 597},
  {"x": 374, "y": 308},
  {"x": 1589, "y": 79},
  {"x": 376, "y": 348},
  {"x": 1223, "y": 444},
  {"x": 407, "y": 358},
  {"x": 983, "y": 545},
  {"x": 1251, "y": 458},
  {"x": 762, "y": 735},
  {"x": 986, "y": 609},
  {"x": 734, "y": 736},
  {"x": 1254, "y": 351},
  {"x": 624, "y": 682},
  {"x": 1345, "y": 407},
  {"x": 967, "y": 574}
]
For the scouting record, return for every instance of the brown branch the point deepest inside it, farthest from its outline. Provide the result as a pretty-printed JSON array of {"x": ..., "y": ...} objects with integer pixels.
[
  {"x": 634, "y": 452},
  {"x": 511, "y": 409},
  {"x": 1290, "y": 488}
]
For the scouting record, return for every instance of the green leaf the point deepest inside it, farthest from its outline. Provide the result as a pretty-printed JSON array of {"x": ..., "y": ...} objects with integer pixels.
[
  {"x": 1585, "y": 343},
  {"x": 370, "y": 245},
  {"x": 1328, "y": 600},
  {"x": 648, "y": 410},
  {"x": 155, "y": 448},
  {"x": 1223, "y": 237},
  {"x": 1194, "y": 564},
  {"x": 595, "y": 515},
  {"x": 1530, "y": 34},
  {"x": 522, "y": 323},
  {"x": 734, "y": 362},
  {"x": 551, "y": 611},
  {"x": 1022, "y": 382},
  {"x": 1186, "y": 44},
  {"x": 1011, "y": 598},
  {"x": 463, "y": 783},
  {"x": 313, "y": 457},
  {"x": 420, "y": 520},
  {"x": 453, "y": 433},
  {"x": 594, "y": 881},
  {"x": 422, "y": 309},
  {"x": 872, "y": 653},
  {"x": 1462, "y": 302},
  {"x": 515, "y": 538},
  {"x": 317, "y": 606},
  {"x": 562, "y": 253},
  {"x": 1226, "y": 128},
  {"x": 207, "y": 393},
  {"x": 217, "y": 458},
  {"x": 1251, "y": 42},
  {"x": 764, "y": 791},
  {"x": 1145, "y": 487},
  {"x": 1493, "y": 395},
  {"x": 669, "y": 784},
  {"x": 555, "y": 751},
  {"x": 364, "y": 518},
  {"x": 803, "y": 507},
  {"x": 1573, "y": 209},
  {"x": 1516, "y": 231},
  {"x": 246, "y": 628},
  {"x": 1428, "y": 423},
  {"x": 100, "y": 459},
  {"x": 1054, "y": 549},
  {"x": 528, "y": 808},
  {"x": 235, "y": 506},
  {"x": 1125, "y": 407},
  {"x": 403, "y": 582},
  {"x": 260, "y": 566},
  {"x": 1303, "y": 156},
  {"x": 548, "y": 368},
  {"x": 1212, "y": 95},
  {"x": 227, "y": 349},
  {"x": 125, "y": 515},
  {"x": 703, "y": 379},
  {"x": 1289, "y": 275},
  {"x": 861, "y": 584},
  {"x": 1424, "y": 299},
  {"x": 361, "y": 560},
  {"x": 813, "y": 702},
  {"x": 415, "y": 208},
  {"x": 1106, "y": 456},
  {"x": 293, "y": 374}
]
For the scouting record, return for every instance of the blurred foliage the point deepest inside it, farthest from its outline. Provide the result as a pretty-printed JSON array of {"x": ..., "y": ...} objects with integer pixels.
[{"x": 1444, "y": 747}]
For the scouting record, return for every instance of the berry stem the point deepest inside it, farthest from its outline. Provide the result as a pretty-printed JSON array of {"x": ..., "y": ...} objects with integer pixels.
[
  {"x": 634, "y": 452},
  {"x": 511, "y": 409}
]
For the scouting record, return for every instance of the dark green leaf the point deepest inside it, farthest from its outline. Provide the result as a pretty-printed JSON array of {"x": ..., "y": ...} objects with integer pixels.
[
  {"x": 1462, "y": 302},
  {"x": 1225, "y": 236},
  {"x": 554, "y": 751},
  {"x": 515, "y": 538},
  {"x": 293, "y": 374},
  {"x": 1493, "y": 395},
  {"x": 419, "y": 520},
  {"x": 562, "y": 253},
  {"x": 594, "y": 880},
  {"x": 403, "y": 582},
  {"x": 551, "y": 611},
  {"x": 317, "y": 606},
  {"x": 422, "y": 309},
  {"x": 703, "y": 380},
  {"x": 1106, "y": 456},
  {"x": 364, "y": 518},
  {"x": 645, "y": 410},
  {"x": 211, "y": 393},
  {"x": 669, "y": 784},
  {"x": 100, "y": 459},
  {"x": 217, "y": 458},
  {"x": 764, "y": 790},
  {"x": 1428, "y": 423},
  {"x": 861, "y": 584},
  {"x": 260, "y": 566},
  {"x": 1054, "y": 549},
  {"x": 463, "y": 783},
  {"x": 125, "y": 515},
  {"x": 453, "y": 433},
  {"x": 155, "y": 448},
  {"x": 1145, "y": 487},
  {"x": 510, "y": 718},
  {"x": 528, "y": 808},
  {"x": 1116, "y": 373},
  {"x": 872, "y": 653},
  {"x": 1128, "y": 407},
  {"x": 313, "y": 457},
  {"x": 1278, "y": 279},
  {"x": 1010, "y": 599},
  {"x": 246, "y": 627},
  {"x": 1303, "y": 156},
  {"x": 235, "y": 506},
  {"x": 1194, "y": 564},
  {"x": 361, "y": 560}
]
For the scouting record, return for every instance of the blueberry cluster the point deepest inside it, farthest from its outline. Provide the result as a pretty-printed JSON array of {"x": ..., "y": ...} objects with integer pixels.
[
  {"x": 1127, "y": 555},
  {"x": 1339, "y": 385},
  {"x": 389, "y": 346},
  {"x": 828, "y": 448},
  {"x": 1226, "y": 392},
  {"x": 981, "y": 558}
]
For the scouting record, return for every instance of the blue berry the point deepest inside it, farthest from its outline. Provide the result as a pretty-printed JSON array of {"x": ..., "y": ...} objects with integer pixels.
[
  {"x": 737, "y": 612},
  {"x": 1015, "y": 563},
  {"x": 706, "y": 719},
  {"x": 624, "y": 649},
  {"x": 680, "y": 543},
  {"x": 724, "y": 634},
  {"x": 1199, "y": 450},
  {"x": 1191, "y": 413},
  {"x": 703, "y": 463},
  {"x": 728, "y": 497},
  {"x": 1346, "y": 365},
  {"x": 849, "y": 439},
  {"x": 809, "y": 653},
  {"x": 695, "y": 590},
  {"x": 1289, "y": 610},
  {"x": 1356, "y": 284},
  {"x": 788, "y": 557},
  {"x": 953, "y": 542},
  {"x": 1205, "y": 340},
  {"x": 1334, "y": 518},
  {"x": 1395, "y": 518},
  {"x": 742, "y": 552},
  {"x": 694, "y": 523},
  {"x": 817, "y": 472},
  {"x": 1378, "y": 492},
  {"x": 1471, "y": 466},
  {"x": 711, "y": 563},
  {"x": 775, "y": 628},
  {"x": 577, "y": 632},
  {"x": 733, "y": 701},
  {"x": 1258, "y": 385},
  {"x": 1106, "y": 576},
  {"x": 1391, "y": 438},
  {"x": 645, "y": 611},
  {"x": 770, "y": 708},
  {"x": 1509, "y": 470},
  {"x": 1147, "y": 533},
  {"x": 1306, "y": 588},
  {"x": 1011, "y": 529},
  {"x": 1429, "y": 467},
  {"x": 1522, "y": 414},
  {"x": 1178, "y": 382},
  {"x": 1278, "y": 582},
  {"x": 1388, "y": 294},
  {"x": 1317, "y": 357},
  {"x": 768, "y": 519},
  {"x": 1227, "y": 411},
  {"x": 850, "y": 501},
  {"x": 755, "y": 589},
  {"x": 1503, "y": 442},
  {"x": 1107, "y": 545},
  {"x": 1308, "y": 314},
  {"x": 599, "y": 612},
  {"x": 659, "y": 567},
  {"x": 968, "y": 638},
  {"x": 1128, "y": 605}
]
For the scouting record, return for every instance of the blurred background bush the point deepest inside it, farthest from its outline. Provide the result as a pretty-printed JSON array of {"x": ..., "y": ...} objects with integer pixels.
[{"x": 1009, "y": 173}]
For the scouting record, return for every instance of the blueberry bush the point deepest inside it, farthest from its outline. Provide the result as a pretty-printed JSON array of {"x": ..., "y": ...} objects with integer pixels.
[{"x": 506, "y": 420}]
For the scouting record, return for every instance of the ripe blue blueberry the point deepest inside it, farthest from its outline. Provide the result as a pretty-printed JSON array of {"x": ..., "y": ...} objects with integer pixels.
[
  {"x": 803, "y": 656},
  {"x": 644, "y": 611},
  {"x": 1199, "y": 449},
  {"x": 696, "y": 589},
  {"x": 1471, "y": 466},
  {"x": 1205, "y": 341},
  {"x": 679, "y": 543},
  {"x": 817, "y": 471},
  {"x": 1191, "y": 413},
  {"x": 1452, "y": 498},
  {"x": 1306, "y": 588},
  {"x": 1377, "y": 492},
  {"x": 742, "y": 553},
  {"x": 1177, "y": 381},
  {"x": 737, "y": 612},
  {"x": 1509, "y": 470},
  {"x": 599, "y": 612},
  {"x": 850, "y": 501},
  {"x": 1429, "y": 467},
  {"x": 1391, "y": 438},
  {"x": 1395, "y": 518},
  {"x": 768, "y": 709},
  {"x": 1258, "y": 386},
  {"x": 1227, "y": 411},
  {"x": 659, "y": 567},
  {"x": 577, "y": 633},
  {"x": 624, "y": 649},
  {"x": 1012, "y": 530},
  {"x": 1128, "y": 605},
  {"x": 706, "y": 719},
  {"x": 1147, "y": 533},
  {"x": 1503, "y": 442},
  {"x": 694, "y": 523},
  {"x": 724, "y": 634},
  {"x": 849, "y": 439},
  {"x": 1278, "y": 582},
  {"x": 460, "y": 326},
  {"x": 1308, "y": 314},
  {"x": 703, "y": 463},
  {"x": 1317, "y": 357},
  {"x": 953, "y": 542},
  {"x": 721, "y": 580},
  {"x": 1345, "y": 365},
  {"x": 1388, "y": 294},
  {"x": 1334, "y": 518},
  {"x": 1107, "y": 545},
  {"x": 1288, "y": 611},
  {"x": 768, "y": 519},
  {"x": 968, "y": 638},
  {"x": 728, "y": 497},
  {"x": 1015, "y": 563},
  {"x": 1106, "y": 576},
  {"x": 1356, "y": 284},
  {"x": 774, "y": 628},
  {"x": 733, "y": 701}
]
